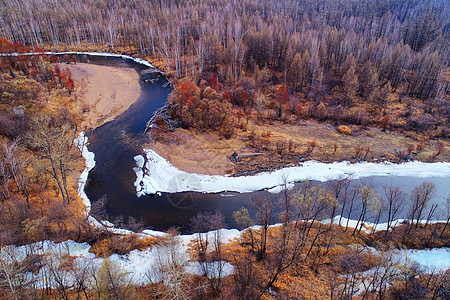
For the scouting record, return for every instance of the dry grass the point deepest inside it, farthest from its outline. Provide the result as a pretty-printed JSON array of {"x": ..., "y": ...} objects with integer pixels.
[
  {"x": 207, "y": 152},
  {"x": 344, "y": 130},
  {"x": 107, "y": 245}
]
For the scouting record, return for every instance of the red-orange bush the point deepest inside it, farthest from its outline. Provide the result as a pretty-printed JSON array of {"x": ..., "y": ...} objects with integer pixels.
[{"x": 202, "y": 109}]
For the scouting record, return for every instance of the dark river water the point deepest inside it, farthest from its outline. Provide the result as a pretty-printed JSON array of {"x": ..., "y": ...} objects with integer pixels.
[{"x": 117, "y": 142}]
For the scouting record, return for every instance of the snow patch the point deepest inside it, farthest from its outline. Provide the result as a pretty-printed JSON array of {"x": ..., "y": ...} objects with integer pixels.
[
  {"x": 137, "y": 263},
  {"x": 438, "y": 259},
  {"x": 89, "y": 157},
  {"x": 279, "y": 189}
]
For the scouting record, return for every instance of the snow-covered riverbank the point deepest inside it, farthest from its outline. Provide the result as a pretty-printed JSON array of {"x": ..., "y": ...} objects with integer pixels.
[
  {"x": 89, "y": 158},
  {"x": 141, "y": 264},
  {"x": 158, "y": 175}
]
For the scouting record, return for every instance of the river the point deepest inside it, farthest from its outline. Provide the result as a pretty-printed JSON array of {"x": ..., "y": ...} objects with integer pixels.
[{"x": 117, "y": 142}]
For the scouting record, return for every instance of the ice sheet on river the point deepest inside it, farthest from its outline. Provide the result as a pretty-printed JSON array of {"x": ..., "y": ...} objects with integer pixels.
[{"x": 158, "y": 175}]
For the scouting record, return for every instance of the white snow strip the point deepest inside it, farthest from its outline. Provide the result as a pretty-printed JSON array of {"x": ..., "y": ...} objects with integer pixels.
[
  {"x": 368, "y": 227},
  {"x": 80, "y": 143},
  {"x": 438, "y": 259},
  {"x": 161, "y": 176}
]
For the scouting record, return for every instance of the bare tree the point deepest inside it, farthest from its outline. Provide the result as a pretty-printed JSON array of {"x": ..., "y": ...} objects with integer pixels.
[
  {"x": 352, "y": 196},
  {"x": 13, "y": 279},
  {"x": 169, "y": 269},
  {"x": 431, "y": 213},
  {"x": 209, "y": 244},
  {"x": 350, "y": 265},
  {"x": 53, "y": 139},
  {"x": 447, "y": 214},
  {"x": 395, "y": 200},
  {"x": 383, "y": 274},
  {"x": 312, "y": 203},
  {"x": 55, "y": 261},
  {"x": 5, "y": 176},
  {"x": 200, "y": 224},
  {"x": 244, "y": 221},
  {"x": 17, "y": 163},
  {"x": 420, "y": 197},
  {"x": 264, "y": 215},
  {"x": 245, "y": 276},
  {"x": 337, "y": 187},
  {"x": 369, "y": 202},
  {"x": 112, "y": 283},
  {"x": 83, "y": 273}
]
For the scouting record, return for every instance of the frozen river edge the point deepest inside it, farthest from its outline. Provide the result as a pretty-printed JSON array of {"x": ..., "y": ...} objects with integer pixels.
[{"x": 156, "y": 175}]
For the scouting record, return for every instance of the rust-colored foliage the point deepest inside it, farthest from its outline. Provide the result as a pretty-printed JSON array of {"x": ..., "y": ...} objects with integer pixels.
[
  {"x": 299, "y": 110},
  {"x": 420, "y": 146},
  {"x": 281, "y": 95},
  {"x": 202, "y": 109},
  {"x": 213, "y": 83},
  {"x": 410, "y": 149},
  {"x": 6, "y": 46},
  {"x": 385, "y": 121},
  {"x": 226, "y": 97},
  {"x": 20, "y": 47}
]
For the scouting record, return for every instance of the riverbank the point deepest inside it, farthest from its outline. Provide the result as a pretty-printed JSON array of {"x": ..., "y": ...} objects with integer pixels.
[
  {"x": 105, "y": 92},
  {"x": 155, "y": 174}
]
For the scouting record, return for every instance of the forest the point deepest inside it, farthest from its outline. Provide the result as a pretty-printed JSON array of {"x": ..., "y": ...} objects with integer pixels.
[
  {"x": 237, "y": 68},
  {"x": 350, "y": 62}
]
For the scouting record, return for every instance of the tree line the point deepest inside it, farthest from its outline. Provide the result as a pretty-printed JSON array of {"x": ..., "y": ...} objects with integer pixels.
[{"x": 311, "y": 42}]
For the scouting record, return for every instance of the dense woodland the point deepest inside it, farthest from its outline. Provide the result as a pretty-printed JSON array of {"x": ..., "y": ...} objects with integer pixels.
[
  {"x": 344, "y": 61},
  {"x": 363, "y": 63},
  {"x": 39, "y": 117}
]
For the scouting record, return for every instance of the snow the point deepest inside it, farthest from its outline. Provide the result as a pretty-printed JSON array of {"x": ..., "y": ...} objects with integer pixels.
[
  {"x": 279, "y": 189},
  {"x": 138, "y": 263},
  {"x": 161, "y": 176},
  {"x": 438, "y": 259},
  {"x": 153, "y": 233},
  {"x": 214, "y": 268},
  {"x": 89, "y": 157},
  {"x": 368, "y": 227}
]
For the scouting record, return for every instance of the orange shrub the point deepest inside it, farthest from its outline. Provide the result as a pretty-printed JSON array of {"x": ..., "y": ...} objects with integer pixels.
[{"x": 344, "y": 130}]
